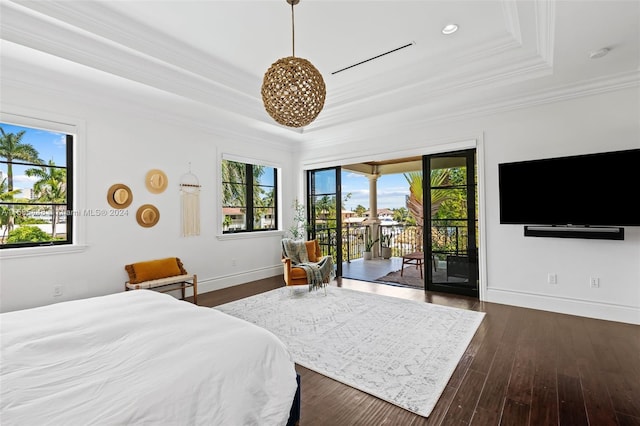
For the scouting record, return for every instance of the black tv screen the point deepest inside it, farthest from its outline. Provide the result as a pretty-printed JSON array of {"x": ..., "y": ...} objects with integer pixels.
[{"x": 584, "y": 190}]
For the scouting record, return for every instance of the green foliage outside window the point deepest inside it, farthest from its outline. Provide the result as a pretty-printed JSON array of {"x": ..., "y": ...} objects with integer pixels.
[
  {"x": 41, "y": 201},
  {"x": 248, "y": 197},
  {"x": 448, "y": 201},
  {"x": 31, "y": 234}
]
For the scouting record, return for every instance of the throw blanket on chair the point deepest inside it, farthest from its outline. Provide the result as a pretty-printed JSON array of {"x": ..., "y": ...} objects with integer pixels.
[{"x": 317, "y": 272}]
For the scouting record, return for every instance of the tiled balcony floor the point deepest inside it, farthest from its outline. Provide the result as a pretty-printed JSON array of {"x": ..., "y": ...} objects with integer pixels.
[{"x": 370, "y": 270}]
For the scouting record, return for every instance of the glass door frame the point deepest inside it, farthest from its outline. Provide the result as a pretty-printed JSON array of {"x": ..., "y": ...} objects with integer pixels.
[
  {"x": 471, "y": 186},
  {"x": 334, "y": 245}
]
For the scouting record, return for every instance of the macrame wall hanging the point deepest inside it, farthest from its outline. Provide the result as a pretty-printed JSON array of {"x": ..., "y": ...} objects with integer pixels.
[{"x": 190, "y": 199}]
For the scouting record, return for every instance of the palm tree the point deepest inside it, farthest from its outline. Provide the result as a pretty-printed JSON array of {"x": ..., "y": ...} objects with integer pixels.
[
  {"x": 438, "y": 178},
  {"x": 414, "y": 202},
  {"x": 12, "y": 148},
  {"x": 5, "y": 212},
  {"x": 234, "y": 175},
  {"x": 233, "y": 178},
  {"x": 51, "y": 187},
  {"x": 234, "y": 187}
]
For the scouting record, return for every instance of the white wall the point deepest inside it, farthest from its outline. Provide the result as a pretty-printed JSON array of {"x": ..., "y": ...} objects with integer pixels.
[
  {"x": 121, "y": 144},
  {"x": 123, "y": 141},
  {"x": 516, "y": 267}
]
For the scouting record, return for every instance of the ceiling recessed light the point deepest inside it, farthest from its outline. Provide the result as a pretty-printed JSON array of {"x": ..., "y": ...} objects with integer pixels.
[
  {"x": 599, "y": 53},
  {"x": 449, "y": 29}
]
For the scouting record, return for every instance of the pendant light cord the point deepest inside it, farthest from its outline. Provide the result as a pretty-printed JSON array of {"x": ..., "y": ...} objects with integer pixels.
[{"x": 293, "y": 33}]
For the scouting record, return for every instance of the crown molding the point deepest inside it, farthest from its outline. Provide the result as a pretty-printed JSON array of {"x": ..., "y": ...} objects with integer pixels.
[
  {"x": 236, "y": 127},
  {"x": 419, "y": 118},
  {"x": 455, "y": 85},
  {"x": 97, "y": 36},
  {"x": 475, "y": 67},
  {"x": 100, "y": 20},
  {"x": 567, "y": 92},
  {"x": 33, "y": 29},
  {"x": 545, "y": 29},
  {"x": 466, "y": 61},
  {"x": 171, "y": 109},
  {"x": 512, "y": 19}
]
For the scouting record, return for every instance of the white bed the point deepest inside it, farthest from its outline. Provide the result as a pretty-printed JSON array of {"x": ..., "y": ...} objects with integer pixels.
[{"x": 140, "y": 357}]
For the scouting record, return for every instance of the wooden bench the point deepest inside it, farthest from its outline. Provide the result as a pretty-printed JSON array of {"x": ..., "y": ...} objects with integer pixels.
[
  {"x": 165, "y": 285},
  {"x": 162, "y": 275}
]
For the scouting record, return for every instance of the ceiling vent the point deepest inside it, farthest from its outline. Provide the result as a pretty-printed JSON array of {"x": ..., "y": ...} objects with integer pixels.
[{"x": 375, "y": 57}]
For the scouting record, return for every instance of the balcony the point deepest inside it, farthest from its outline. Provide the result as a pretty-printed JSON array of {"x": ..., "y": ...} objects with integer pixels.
[{"x": 448, "y": 237}]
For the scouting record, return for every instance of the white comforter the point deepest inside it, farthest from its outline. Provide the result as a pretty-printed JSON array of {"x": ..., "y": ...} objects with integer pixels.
[{"x": 140, "y": 357}]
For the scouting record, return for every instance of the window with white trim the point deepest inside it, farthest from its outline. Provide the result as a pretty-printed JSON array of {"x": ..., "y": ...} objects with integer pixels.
[
  {"x": 36, "y": 187},
  {"x": 249, "y": 197}
]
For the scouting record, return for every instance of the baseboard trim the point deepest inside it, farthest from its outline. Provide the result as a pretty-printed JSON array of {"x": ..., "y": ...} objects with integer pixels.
[
  {"x": 242, "y": 277},
  {"x": 565, "y": 305}
]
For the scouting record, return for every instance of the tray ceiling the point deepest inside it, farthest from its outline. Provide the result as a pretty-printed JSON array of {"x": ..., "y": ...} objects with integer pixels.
[{"x": 505, "y": 53}]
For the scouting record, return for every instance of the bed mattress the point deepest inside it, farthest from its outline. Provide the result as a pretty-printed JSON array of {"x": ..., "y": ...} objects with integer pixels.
[{"x": 140, "y": 357}]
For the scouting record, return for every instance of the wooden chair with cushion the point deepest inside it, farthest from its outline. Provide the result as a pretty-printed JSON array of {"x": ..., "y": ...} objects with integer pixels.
[
  {"x": 298, "y": 276},
  {"x": 163, "y": 275}
]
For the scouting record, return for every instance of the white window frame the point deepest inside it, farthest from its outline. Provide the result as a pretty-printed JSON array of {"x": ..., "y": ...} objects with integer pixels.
[
  {"x": 57, "y": 123},
  {"x": 218, "y": 217}
]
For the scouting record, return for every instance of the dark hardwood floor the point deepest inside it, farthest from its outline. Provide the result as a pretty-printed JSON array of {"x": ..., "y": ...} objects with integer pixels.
[{"x": 523, "y": 367}]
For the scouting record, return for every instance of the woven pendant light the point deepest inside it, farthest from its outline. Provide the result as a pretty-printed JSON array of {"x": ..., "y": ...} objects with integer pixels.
[{"x": 293, "y": 91}]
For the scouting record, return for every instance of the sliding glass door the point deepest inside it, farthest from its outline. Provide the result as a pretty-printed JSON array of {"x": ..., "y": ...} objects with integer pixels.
[
  {"x": 324, "y": 207},
  {"x": 451, "y": 246}
]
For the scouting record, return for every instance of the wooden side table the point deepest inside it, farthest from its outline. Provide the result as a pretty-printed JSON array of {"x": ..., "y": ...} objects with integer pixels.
[{"x": 415, "y": 258}]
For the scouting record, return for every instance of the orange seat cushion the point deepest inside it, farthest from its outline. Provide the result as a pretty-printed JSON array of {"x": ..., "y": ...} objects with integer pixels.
[
  {"x": 298, "y": 274},
  {"x": 154, "y": 269},
  {"x": 311, "y": 250}
]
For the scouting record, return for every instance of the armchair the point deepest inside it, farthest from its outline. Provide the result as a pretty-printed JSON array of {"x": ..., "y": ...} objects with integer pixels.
[{"x": 294, "y": 275}]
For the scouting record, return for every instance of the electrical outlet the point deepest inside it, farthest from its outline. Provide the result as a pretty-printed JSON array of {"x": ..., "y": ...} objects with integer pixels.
[
  {"x": 552, "y": 279},
  {"x": 594, "y": 282},
  {"x": 57, "y": 291}
]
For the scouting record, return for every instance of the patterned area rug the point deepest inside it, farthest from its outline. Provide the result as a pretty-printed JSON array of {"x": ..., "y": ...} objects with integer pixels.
[{"x": 401, "y": 351}]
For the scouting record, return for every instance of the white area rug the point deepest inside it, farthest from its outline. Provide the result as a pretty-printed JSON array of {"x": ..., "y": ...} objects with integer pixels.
[{"x": 401, "y": 351}]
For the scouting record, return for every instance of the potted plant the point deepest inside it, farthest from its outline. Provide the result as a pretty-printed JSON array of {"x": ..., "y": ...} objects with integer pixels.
[
  {"x": 368, "y": 247},
  {"x": 299, "y": 227},
  {"x": 385, "y": 242}
]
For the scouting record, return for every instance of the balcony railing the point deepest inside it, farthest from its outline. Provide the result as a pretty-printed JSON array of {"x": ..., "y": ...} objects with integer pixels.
[{"x": 449, "y": 237}]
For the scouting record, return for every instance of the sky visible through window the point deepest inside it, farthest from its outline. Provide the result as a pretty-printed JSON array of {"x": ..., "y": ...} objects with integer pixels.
[
  {"x": 50, "y": 146},
  {"x": 392, "y": 191}
]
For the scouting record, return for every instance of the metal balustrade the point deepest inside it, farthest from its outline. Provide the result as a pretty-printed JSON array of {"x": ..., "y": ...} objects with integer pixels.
[{"x": 448, "y": 235}]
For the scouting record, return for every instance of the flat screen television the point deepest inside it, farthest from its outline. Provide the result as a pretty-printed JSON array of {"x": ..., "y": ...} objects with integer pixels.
[{"x": 584, "y": 190}]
